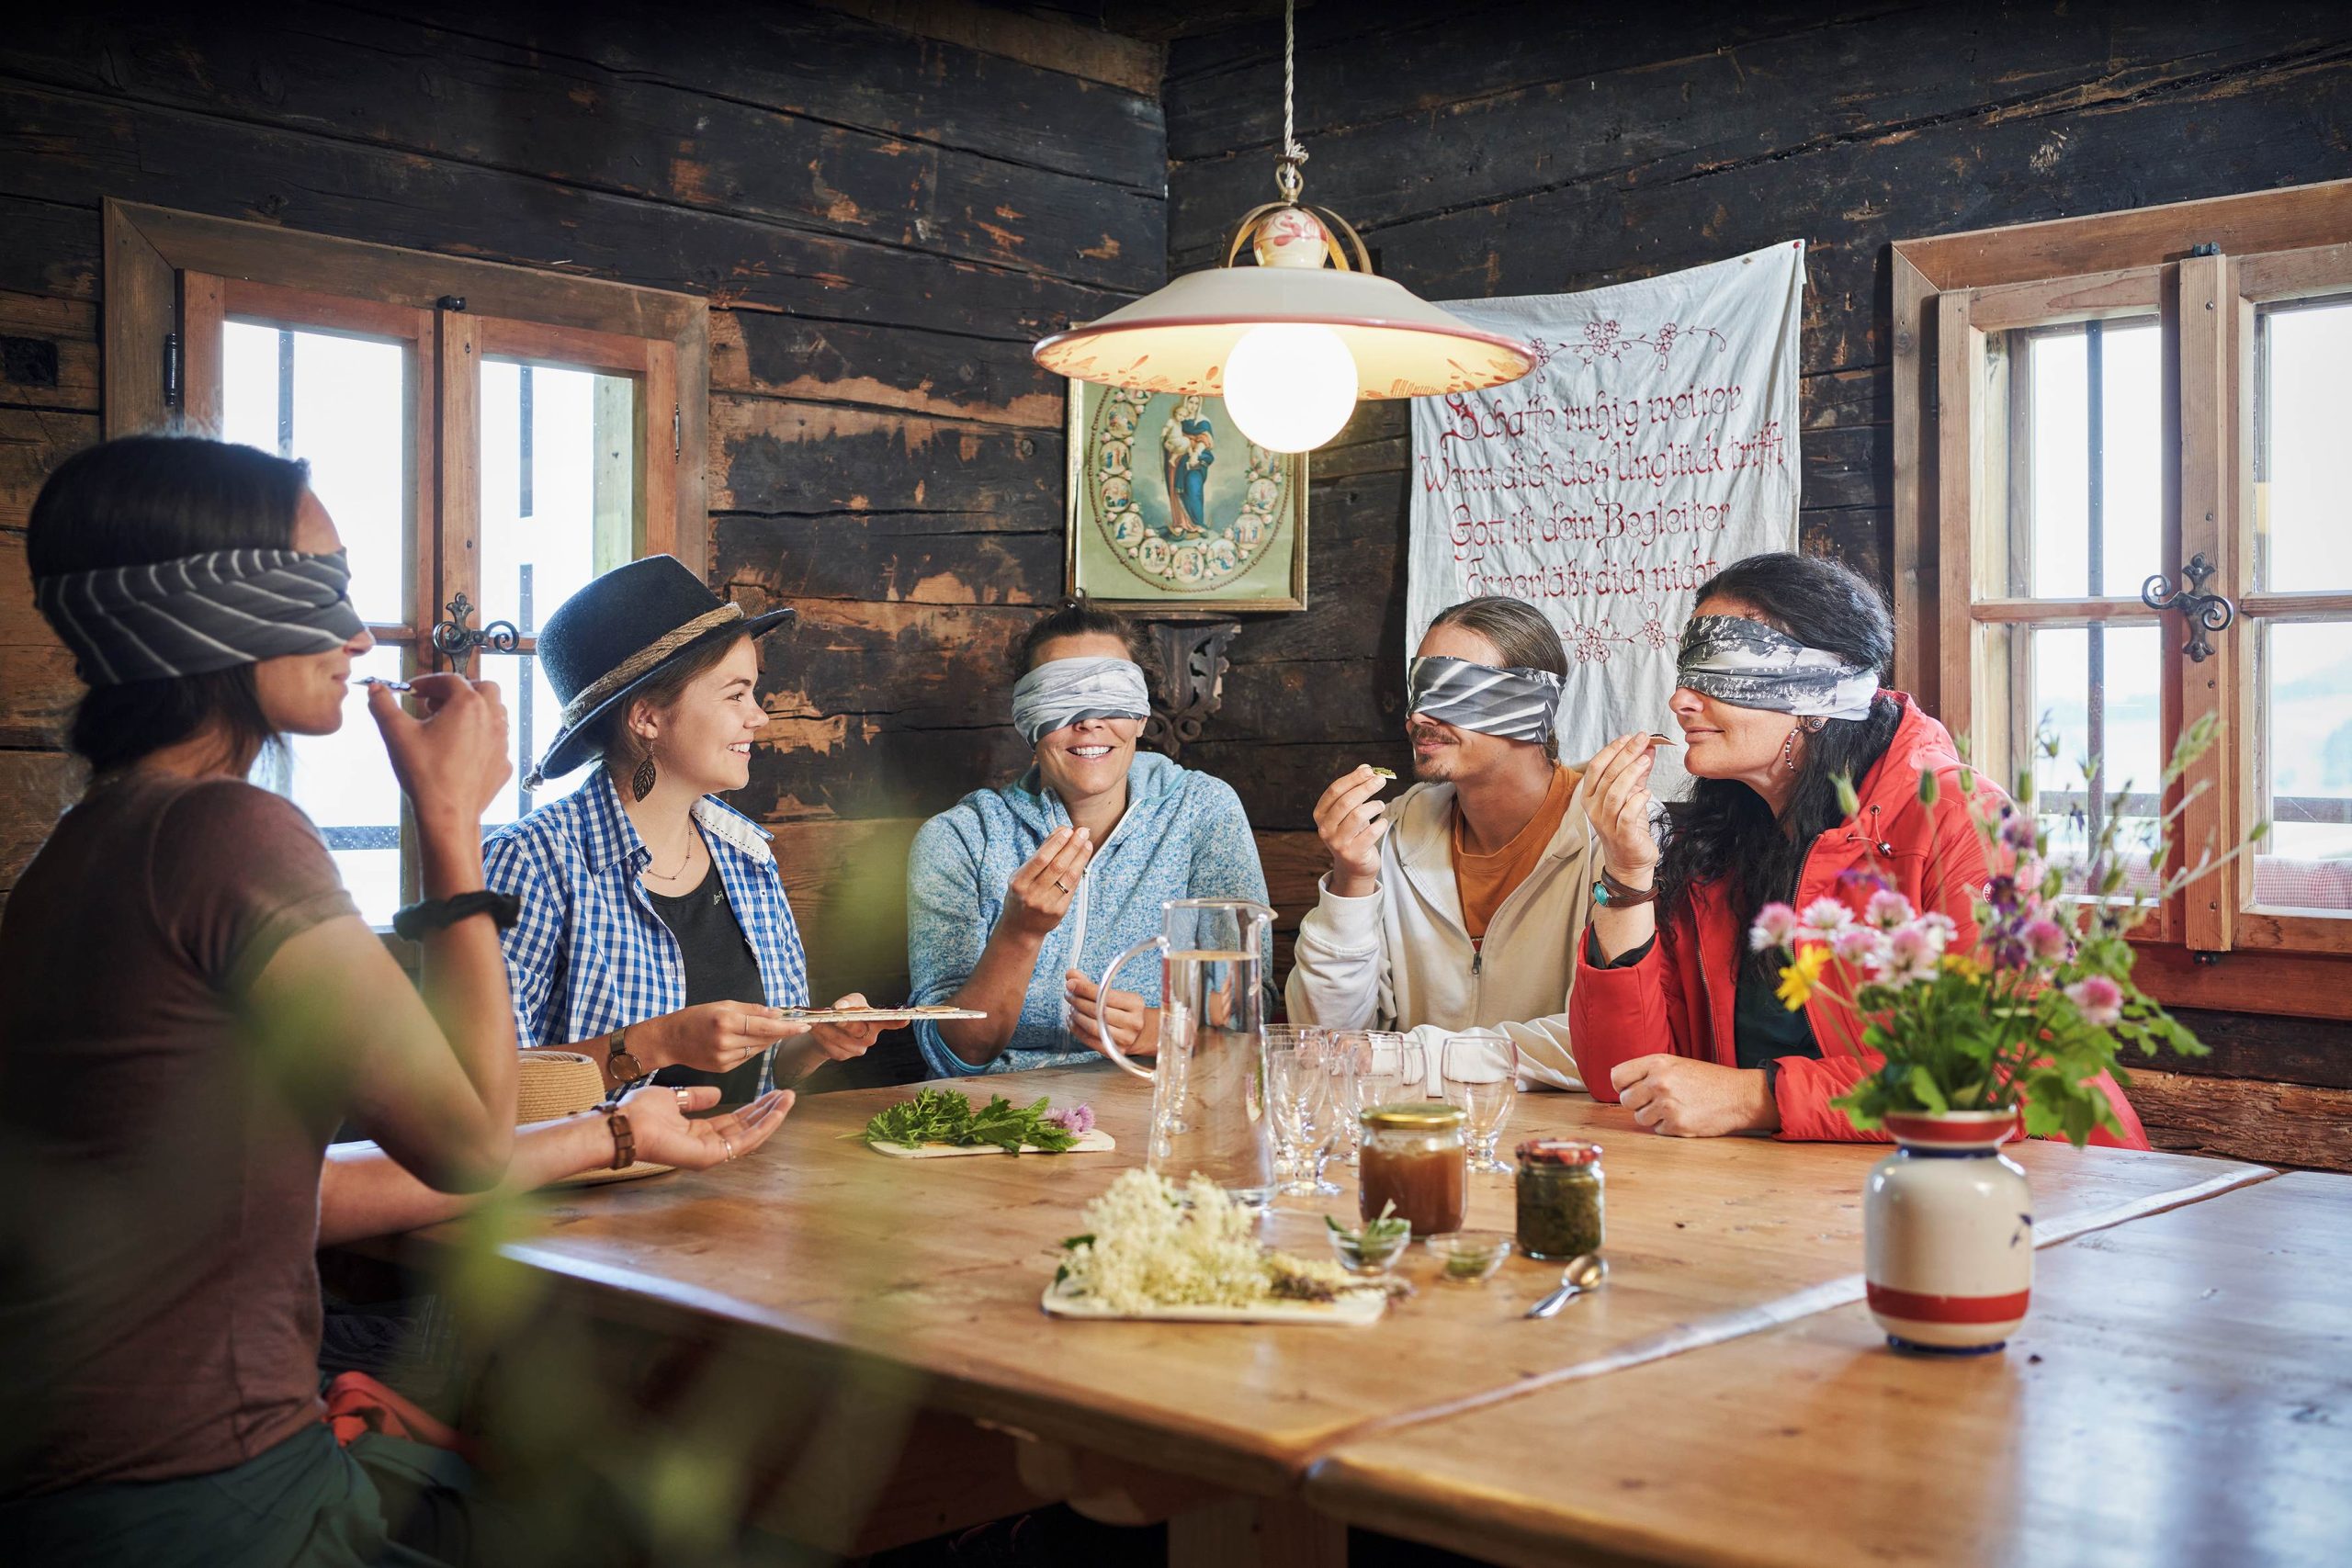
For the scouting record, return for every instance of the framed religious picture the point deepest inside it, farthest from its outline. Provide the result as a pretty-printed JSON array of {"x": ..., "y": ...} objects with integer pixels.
[{"x": 1172, "y": 508}]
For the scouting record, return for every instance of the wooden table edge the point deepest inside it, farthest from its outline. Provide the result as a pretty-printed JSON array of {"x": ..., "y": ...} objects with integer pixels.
[
  {"x": 1812, "y": 1299},
  {"x": 1331, "y": 1487}
]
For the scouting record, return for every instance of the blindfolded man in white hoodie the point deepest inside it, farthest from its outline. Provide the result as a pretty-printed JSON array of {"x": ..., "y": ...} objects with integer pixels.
[{"x": 1460, "y": 904}]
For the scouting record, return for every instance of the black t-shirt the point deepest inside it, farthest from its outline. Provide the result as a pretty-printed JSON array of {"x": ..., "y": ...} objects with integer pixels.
[{"x": 720, "y": 967}]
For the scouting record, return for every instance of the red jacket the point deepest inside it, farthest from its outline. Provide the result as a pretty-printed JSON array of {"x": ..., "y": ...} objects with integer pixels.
[{"x": 1679, "y": 997}]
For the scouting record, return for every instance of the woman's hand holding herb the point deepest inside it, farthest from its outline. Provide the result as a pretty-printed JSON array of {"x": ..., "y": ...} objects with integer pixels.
[
  {"x": 1040, "y": 893},
  {"x": 1620, "y": 807}
]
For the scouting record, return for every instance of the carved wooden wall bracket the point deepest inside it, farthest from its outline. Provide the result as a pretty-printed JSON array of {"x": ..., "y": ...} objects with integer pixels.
[{"x": 1188, "y": 680}]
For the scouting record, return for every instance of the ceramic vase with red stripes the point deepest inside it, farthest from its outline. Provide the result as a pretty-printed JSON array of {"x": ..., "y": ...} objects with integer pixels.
[{"x": 1948, "y": 1231}]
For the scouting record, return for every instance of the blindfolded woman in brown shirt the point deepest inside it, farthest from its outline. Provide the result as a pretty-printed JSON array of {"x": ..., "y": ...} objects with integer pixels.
[{"x": 194, "y": 1005}]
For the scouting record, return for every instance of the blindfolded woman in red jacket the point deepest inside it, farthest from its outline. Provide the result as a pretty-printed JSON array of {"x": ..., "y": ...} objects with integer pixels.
[{"x": 1778, "y": 697}]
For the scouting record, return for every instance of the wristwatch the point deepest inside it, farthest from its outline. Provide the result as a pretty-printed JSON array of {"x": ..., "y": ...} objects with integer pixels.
[
  {"x": 622, "y": 1066},
  {"x": 1610, "y": 893}
]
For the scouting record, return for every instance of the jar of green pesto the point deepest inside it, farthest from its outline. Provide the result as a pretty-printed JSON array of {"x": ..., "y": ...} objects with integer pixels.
[{"x": 1560, "y": 1210}]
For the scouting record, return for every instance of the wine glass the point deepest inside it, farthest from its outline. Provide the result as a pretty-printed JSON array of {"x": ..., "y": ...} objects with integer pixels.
[
  {"x": 1481, "y": 1069},
  {"x": 1335, "y": 1113},
  {"x": 1294, "y": 1059},
  {"x": 1387, "y": 1063}
]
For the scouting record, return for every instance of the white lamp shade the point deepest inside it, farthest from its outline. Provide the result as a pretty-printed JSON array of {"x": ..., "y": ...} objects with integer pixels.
[{"x": 1176, "y": 339}]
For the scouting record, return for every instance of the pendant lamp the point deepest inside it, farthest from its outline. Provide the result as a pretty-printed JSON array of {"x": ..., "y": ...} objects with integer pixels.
[{"x": 1291, "y": 343}]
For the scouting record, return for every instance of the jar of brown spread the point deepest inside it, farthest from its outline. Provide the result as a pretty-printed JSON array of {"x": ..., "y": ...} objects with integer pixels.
[
  {"x": 1560, "y": 1187},
  {"x": 1414, "y": 1156}
]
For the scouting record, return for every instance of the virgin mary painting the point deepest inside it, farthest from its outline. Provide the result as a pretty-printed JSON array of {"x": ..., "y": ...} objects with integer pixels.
[
  {"x": 1188, "y": 444},
  {"x": 1150, "y": 527}
]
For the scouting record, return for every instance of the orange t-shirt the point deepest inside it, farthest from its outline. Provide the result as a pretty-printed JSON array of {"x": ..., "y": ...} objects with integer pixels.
[{"x": 1485, "y": 881}]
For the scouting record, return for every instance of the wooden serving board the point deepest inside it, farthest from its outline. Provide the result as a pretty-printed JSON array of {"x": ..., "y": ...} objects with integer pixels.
[
  {"x": 1094, "y": 1143},
  {"x": 1356, "y": 1309}
]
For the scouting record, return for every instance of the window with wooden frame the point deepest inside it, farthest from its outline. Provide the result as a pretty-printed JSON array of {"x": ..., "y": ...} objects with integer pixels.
[
  {"x": 2124, "y": 505},
  {"x": 487, "y": 438}
]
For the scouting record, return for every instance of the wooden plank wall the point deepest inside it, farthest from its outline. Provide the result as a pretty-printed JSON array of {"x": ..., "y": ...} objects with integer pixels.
[
  {"x": 887, "y": 204},
  {"x": 1492, "y": 149}
]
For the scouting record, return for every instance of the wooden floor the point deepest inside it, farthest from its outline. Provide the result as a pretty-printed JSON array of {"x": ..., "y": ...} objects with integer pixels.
[{"x": 1734, "y": 1262}]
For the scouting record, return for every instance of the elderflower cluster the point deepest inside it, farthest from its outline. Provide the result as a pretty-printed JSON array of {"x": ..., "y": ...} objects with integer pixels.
[{"x": 1149, "y": 1247}]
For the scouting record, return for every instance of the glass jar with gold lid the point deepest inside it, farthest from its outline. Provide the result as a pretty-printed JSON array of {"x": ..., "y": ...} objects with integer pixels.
[{"x": 1415, "y": 1158}]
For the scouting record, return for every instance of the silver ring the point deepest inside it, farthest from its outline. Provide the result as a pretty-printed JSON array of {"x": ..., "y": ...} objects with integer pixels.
[
  {"x": 685, "y": 1103},
  {"x": 725, "y": 1143},
  {"x": 1060, "y": 883}
]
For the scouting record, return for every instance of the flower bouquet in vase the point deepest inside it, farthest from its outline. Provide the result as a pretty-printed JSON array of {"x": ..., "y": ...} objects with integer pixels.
[{"x": 2016, "y": 1025}]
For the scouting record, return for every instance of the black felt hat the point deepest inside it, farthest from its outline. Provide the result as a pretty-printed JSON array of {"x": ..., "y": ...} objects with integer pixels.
[{"x": 611, "y": 637}]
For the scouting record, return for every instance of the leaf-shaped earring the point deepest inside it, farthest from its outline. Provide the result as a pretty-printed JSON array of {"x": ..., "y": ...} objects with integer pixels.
[{"x": 641, "y": 782}]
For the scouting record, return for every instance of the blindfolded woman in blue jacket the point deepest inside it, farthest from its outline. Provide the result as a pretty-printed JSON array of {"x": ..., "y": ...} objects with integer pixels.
[{"x": 1017, "y": 898}]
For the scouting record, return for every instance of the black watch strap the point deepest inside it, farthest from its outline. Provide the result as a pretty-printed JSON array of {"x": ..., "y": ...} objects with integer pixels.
[{"x": 438, "y": 914}]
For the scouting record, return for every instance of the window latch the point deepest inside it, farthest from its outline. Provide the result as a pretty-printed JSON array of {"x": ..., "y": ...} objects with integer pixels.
[
  {"x": 2205, "y": 611},
  {"x": 453, "y": 639},
  {"x": 677, "y": 430},
  {"x": 171, "y": 370}
]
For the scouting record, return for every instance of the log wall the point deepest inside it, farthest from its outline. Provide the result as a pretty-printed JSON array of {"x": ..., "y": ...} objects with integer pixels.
[
  {"x": 1502, "y": 149},
  {"x": 884, "y": 204}
]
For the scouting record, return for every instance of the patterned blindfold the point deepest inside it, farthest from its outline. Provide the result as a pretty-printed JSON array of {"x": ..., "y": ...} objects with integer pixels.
[
  {"x": 1750, "y": 665},
  {"x": 199, "y": 613},
  {"x": 1513, "y": 702}
]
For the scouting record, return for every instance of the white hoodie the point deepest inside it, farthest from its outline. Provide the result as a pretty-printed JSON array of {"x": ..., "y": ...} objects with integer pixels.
[{"x": 1400, "y": 957}]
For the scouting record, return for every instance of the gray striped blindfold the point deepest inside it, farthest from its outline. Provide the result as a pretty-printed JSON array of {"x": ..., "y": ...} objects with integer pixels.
[
  {"x": 1511, "y": 701},
  {"x": 199, "y": 614}
]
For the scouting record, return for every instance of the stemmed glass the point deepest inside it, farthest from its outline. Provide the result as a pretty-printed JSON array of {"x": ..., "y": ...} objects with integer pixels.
[
  {"x": 1335, "y": 1114},
  {"x": 1296, "y": 1083},
  {"x": 1387, "y": 1063},
  {"x": 1481, "y": 1068}
]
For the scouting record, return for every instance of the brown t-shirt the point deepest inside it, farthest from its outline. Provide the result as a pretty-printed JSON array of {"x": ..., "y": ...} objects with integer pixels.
[
  {"x": 1485, "y": 881},
  {"x": 159, "y": 1161}
]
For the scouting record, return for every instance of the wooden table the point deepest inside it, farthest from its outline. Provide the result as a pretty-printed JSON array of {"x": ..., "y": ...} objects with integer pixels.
[
  {"x": 927, "y": 1274},
  {"x": 2180, "y": 1394}
]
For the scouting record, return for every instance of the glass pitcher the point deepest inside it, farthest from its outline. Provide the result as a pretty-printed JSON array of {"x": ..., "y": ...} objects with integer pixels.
[{"x": 1208, "y": 1098}]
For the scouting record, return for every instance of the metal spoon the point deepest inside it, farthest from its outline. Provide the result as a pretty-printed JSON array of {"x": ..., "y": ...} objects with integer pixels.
[{"x": 1584, "y": 1273}]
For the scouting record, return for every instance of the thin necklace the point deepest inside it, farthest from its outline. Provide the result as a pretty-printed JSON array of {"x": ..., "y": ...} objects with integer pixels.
[{"x": 684, "y": 859}]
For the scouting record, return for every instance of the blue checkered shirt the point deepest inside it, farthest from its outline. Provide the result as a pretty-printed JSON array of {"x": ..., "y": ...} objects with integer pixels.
[{"x": 587, "y": 955}]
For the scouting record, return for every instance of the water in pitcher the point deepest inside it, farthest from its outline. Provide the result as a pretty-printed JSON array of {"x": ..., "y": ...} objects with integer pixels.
[{"x": 1209, "y": 1112}]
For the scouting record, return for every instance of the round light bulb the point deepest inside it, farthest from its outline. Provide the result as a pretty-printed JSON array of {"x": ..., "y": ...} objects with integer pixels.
[{"x": 1290, "y": 385}]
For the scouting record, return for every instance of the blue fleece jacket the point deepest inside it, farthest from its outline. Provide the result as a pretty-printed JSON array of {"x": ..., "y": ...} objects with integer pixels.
[{"x": 1184, "y": 836}]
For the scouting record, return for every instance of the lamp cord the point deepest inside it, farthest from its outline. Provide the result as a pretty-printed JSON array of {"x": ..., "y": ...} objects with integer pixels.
[{"x": 1286, "y": 177}]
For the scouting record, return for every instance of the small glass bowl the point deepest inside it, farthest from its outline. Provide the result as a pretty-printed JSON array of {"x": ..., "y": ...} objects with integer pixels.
[
  {"x": 1361, "y": 1254},
  {"x": 1471, "y": 1256}
]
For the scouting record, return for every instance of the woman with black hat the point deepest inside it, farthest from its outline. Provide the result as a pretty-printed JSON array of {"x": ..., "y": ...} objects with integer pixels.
[{"x": 654, "y": 933}]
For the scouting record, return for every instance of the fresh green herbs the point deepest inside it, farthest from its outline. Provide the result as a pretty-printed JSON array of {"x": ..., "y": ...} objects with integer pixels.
[
  {"x": 1386, "y": 1228},
  {"x": 942, "y": 1116}
]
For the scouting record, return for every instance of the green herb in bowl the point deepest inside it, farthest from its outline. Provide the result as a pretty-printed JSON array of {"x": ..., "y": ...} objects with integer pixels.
[
  {"x": 1472, "y": 1256},
  {"x": 1374, "y": 1247}
]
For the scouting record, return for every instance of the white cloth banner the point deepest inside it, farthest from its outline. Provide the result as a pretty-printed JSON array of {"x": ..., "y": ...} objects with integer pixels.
[{"x": 1655, "y": 442}]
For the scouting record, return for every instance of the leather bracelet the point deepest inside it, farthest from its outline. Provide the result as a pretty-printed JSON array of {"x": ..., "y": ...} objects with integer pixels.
[
  {"x": 1610, "y": 893},
  {"x": 624, "y": 1140},
  {"x": 412, "y": 922}
]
